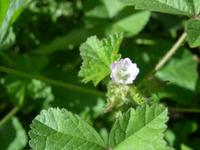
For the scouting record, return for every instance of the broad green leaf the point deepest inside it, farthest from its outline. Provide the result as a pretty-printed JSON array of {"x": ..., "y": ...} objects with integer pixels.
[
  {"x": 12, "y": 135},
  {"x": 56, "y": 129},
  {"x": 102, "y": 8},
  {"x": 180, "y": 7},
  {"x": 181, "y": 70},
  {"x": 112, "y": 7},
  {"x": 97, "y": 56},
  {"x": 140, "y": 129},
  {"x": 193, "y": 32},
  {"x": 131, "y": 24},
  {"x": 112, "y": 16},
  {"x": 181, "y": 76}
]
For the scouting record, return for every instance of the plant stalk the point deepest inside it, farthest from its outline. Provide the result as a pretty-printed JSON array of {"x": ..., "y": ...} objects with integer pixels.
[
  {"x": 51, "y": 81},
  {"x": 185, "y": 110},
  {"x": 171, "y": 52},
  {"x": 9, "y": 115}
]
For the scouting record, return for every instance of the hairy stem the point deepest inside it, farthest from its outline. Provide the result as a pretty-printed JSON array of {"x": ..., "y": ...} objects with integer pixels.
[
  {"x": 171, "y": 52},
  {"x": 9, "y": 115},
  {"x": 51, "y": 81}
]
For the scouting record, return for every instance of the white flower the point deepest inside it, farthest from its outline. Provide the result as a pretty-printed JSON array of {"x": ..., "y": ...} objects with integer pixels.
[{"x": 124, "y": 71}]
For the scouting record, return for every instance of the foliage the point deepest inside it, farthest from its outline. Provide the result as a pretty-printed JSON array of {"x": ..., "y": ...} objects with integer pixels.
[
  {"x": 129, "y": 131},
  {"x": 97, "y": 56},
  {"x": 55, "y": 82}
]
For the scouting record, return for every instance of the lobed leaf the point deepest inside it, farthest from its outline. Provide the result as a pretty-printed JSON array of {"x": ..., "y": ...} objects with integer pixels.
[
  {"x": 56, "y": 129},
  {"x": 179, "y": 7},
  {"x": 140, "y": 129},
  {"x": 97, "y": 56}
]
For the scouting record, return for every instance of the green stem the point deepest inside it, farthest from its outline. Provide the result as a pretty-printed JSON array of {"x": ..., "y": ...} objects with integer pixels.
[
  {"x": 51, "y": 81},
  {"x": 171, "y": 52},
  {"x": 9, "y": 115},
  {"x": 185, "y": 110},
  {"x": 165, "y": 58}
]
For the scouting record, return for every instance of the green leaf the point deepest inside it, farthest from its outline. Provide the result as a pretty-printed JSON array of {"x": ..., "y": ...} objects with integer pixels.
[
  {"x": 21, "y": 89},
  {"x": 112, "y": 7},
  {"x": 3, "y": 9},
  {"x": 102, "y": 8},
  {"x": 181, "y": 76},
  {"x": 16, "y": 91},
  {"x": 185, "y": 147},
  {"x": 193, "y": 32},
  {"x": 180, "y": 7},
  {"x": 97, "y": 56},
  {"x": 12, "y": 135},
  {"x": 140, "y": 129},
  {"x": 8, "y": 39},
  {"x": 131, "y": 24},
  {"x": 127, "y": 2},
  {"x": 112, "y": 16},
  {"x": 181, "y": 70},
  {"x": 56, "y": 129},
  {"x": 9, "y": 12}
]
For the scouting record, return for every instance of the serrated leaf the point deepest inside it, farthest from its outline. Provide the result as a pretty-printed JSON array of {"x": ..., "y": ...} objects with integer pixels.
[
  {"x": 140, "y": 129},
  {"x": 56, "y": 129},
  {"x": 97, "y": 56},
  {"x": 12, "y": 135},
  {"x": 180, "y": 7},
  {"x": 193, "y": 32}
]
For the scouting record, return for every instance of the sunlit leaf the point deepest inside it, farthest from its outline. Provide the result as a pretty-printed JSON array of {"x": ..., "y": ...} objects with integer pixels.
[
  {"x": 131, "y": 24},
  {"x": 181, "y": 70},
  {"x": 97, "y": 56},
  {"x": 140, "y": 129},
  {"x": 59, "y": 129},
  {"x": 180, "y": 7},
  {"x": 9, "y": 11}
]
